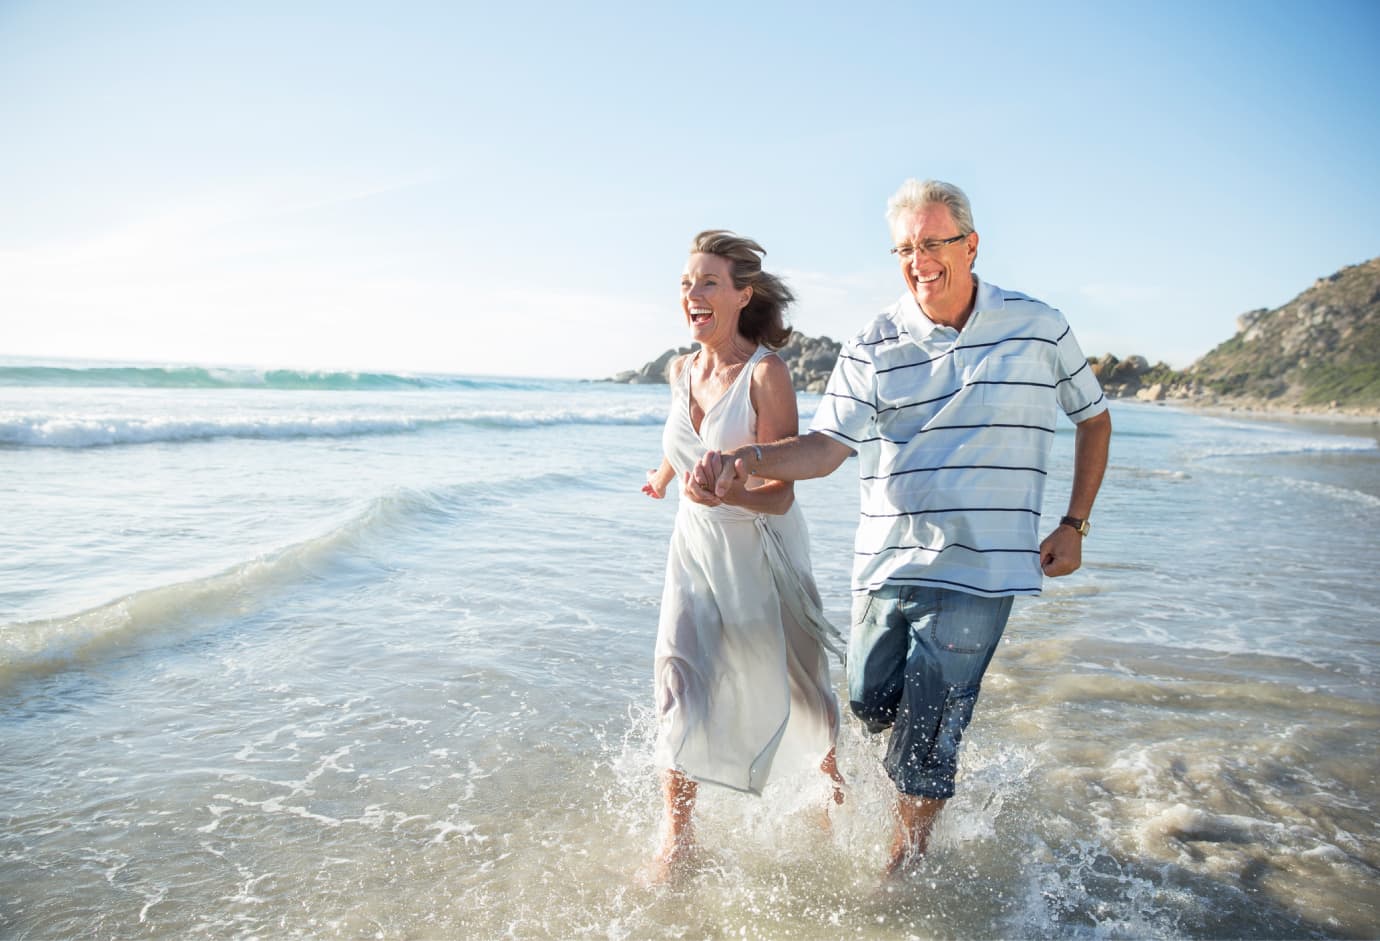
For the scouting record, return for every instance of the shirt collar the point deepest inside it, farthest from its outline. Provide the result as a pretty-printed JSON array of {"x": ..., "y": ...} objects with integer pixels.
[{"x": 985, "y": 297}]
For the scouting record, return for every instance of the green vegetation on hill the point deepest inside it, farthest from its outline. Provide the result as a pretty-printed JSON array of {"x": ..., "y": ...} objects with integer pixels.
[{"x": 1321, "y": 349}]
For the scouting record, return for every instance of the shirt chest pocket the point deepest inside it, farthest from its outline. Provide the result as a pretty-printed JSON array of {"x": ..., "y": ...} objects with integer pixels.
[{"x": 1011, "y": 380}]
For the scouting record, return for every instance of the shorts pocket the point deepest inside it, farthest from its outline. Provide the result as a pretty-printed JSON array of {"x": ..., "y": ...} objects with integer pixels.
[
  {"x": 963, "y": 635},
  {"x": 862, "y": 607}
]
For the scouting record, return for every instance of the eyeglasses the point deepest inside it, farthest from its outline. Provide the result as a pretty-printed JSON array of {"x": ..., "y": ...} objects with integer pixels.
[{"x": 927, "y": 247}]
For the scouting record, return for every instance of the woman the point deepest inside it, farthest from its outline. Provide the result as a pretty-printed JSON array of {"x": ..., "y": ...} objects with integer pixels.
[{"x": 742, "y": 677}]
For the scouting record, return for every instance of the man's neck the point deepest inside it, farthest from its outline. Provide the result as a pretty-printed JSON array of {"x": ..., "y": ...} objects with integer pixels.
[{"x": 955, "y": 316}]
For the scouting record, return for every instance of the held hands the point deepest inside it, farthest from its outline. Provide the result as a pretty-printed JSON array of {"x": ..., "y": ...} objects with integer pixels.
[
  {"x": 721, "y": 474},
  {"x": 715, "y": 480},
  {"x": 1061, "y": 552},
  {"x": 695, "y": 493}
]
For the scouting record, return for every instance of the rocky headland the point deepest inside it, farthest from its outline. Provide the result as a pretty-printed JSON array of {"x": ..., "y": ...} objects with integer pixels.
[
  {"x": 810, "y": 360},
  {"x": 1317, "y": 354}
]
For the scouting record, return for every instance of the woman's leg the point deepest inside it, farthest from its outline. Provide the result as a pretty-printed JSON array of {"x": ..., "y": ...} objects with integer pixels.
[
  {"x": 830, "y": 767},
  {"x": 679, "y": 838}
]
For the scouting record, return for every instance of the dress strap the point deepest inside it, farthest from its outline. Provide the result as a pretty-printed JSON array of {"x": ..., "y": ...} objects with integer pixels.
[{"x": 745, "y": 377}]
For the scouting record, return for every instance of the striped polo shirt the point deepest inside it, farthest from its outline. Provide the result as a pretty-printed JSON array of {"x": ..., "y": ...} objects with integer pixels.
[{"x": 953, "y": 432}]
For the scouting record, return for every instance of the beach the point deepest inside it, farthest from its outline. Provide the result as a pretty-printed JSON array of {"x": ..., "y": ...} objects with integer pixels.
[
  {"x": 1357, "y": 420},
  {"x": 295, "y": 654}
]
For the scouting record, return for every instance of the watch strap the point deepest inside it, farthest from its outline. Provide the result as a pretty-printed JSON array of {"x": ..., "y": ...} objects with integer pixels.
[{"x": 1080, "y": 526}]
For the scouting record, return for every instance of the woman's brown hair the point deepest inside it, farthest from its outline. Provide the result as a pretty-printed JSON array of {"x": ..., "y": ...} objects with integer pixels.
[{"x": 763, "y": 320}]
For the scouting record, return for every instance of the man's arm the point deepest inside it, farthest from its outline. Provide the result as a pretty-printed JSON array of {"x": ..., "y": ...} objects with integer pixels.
[
  {"x": 797, "y": 458},
  {"x": 1062, "y": 550}
]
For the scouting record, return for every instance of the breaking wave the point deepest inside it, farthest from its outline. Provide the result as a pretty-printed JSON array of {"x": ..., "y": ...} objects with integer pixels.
[
  {"x": 88, "y": 432},
  {"x": 48, "y": 645}
]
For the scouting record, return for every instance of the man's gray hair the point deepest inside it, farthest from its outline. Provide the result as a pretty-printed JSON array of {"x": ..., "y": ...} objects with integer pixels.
[{"x": 915, "y": 194}]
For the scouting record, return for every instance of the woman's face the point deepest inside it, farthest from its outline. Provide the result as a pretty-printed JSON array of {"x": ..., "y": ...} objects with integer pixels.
[{"x": 709, "y": 300}]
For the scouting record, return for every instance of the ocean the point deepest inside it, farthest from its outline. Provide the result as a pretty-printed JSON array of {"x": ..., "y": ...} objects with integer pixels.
[{"x": 288, "y": 654}]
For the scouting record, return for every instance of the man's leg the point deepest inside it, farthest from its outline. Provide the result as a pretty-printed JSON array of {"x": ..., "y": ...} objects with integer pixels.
[
  {"x": 877, "y": 647},
  {"x": 952, "y": 639}
]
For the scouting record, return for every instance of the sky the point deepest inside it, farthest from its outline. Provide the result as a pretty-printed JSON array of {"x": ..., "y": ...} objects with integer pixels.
[{"x": 511, "y": 188}]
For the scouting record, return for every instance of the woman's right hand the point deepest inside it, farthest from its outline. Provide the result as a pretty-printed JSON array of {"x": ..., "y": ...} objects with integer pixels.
[
  {"x": 696, "y": 493},
  {"x": 650, "y": 488}
]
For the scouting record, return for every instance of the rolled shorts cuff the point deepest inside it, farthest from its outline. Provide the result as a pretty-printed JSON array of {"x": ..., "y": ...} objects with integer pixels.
[
  {"x": 928, "y": 768},
  {"x": 931, "y": 788}
]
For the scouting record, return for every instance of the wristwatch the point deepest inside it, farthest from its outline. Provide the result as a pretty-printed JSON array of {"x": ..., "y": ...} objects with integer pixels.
[{"x": 1079, "y": 526}]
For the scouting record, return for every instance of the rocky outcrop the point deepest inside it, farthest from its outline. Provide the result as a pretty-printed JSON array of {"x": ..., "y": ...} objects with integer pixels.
[
  {"x": 653, "y": 372},
  {"x": 1319, "y": 351},
  {"x": 1134, "y": 378},
  {"x": 810, "y": 360}
]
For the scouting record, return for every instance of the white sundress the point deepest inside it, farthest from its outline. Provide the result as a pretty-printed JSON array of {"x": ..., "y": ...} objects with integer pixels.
[{"x": 741, "y": 672}]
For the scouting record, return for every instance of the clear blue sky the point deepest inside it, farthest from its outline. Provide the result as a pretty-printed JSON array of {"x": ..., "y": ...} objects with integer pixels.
[{"x": 509, "y": 188}]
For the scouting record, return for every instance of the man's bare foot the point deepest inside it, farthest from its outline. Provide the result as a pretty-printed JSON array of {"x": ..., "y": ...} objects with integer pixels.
[
  {"x": 915, "y": 818},
  {"x": 901, "y": 860}
]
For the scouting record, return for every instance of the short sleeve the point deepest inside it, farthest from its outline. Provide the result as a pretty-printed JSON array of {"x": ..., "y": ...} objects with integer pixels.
[
  {"x": 848, "y": 411},
  {"x": 1080, "y": 394}
]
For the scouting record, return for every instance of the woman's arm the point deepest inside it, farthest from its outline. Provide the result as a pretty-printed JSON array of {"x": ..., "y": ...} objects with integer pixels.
[
  {"x": 657, "y": 480},
  {"x": 660, "y": 478}
]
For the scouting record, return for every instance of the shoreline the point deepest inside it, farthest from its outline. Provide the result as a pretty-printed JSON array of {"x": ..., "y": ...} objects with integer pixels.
[{"x": 1353, "y": 420}]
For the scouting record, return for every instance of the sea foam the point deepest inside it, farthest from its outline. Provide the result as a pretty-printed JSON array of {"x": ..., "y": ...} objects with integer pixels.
[{"x": 86, "y": 432}]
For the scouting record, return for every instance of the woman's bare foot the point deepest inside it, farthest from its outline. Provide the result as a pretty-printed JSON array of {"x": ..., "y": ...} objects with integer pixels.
[
  {"x": 830, "y": 767},
  {"x": 679, "y": 843},
  {"x": 670, "y": 862},
  {"x": 836, "y": 785}
]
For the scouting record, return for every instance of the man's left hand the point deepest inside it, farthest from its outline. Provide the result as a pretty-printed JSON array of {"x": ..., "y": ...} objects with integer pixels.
[{"x": 1061, "y": 552}]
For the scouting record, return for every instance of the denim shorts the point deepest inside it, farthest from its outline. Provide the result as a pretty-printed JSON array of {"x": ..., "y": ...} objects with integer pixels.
[{"x": 916, "y": 658}]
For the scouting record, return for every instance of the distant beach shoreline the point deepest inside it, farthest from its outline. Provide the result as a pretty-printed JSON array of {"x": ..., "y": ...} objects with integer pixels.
[{"x": 1348, "y": 421}]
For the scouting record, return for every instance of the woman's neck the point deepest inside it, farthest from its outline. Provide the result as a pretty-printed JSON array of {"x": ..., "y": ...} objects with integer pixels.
[{"x": 733, "y": 351}]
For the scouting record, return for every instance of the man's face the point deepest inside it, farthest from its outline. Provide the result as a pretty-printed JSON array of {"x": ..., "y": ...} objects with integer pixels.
[{"x": 941, "y": 280}]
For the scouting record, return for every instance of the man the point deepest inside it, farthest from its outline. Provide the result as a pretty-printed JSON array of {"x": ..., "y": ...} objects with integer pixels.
[{"x": 949, "y": 400}]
